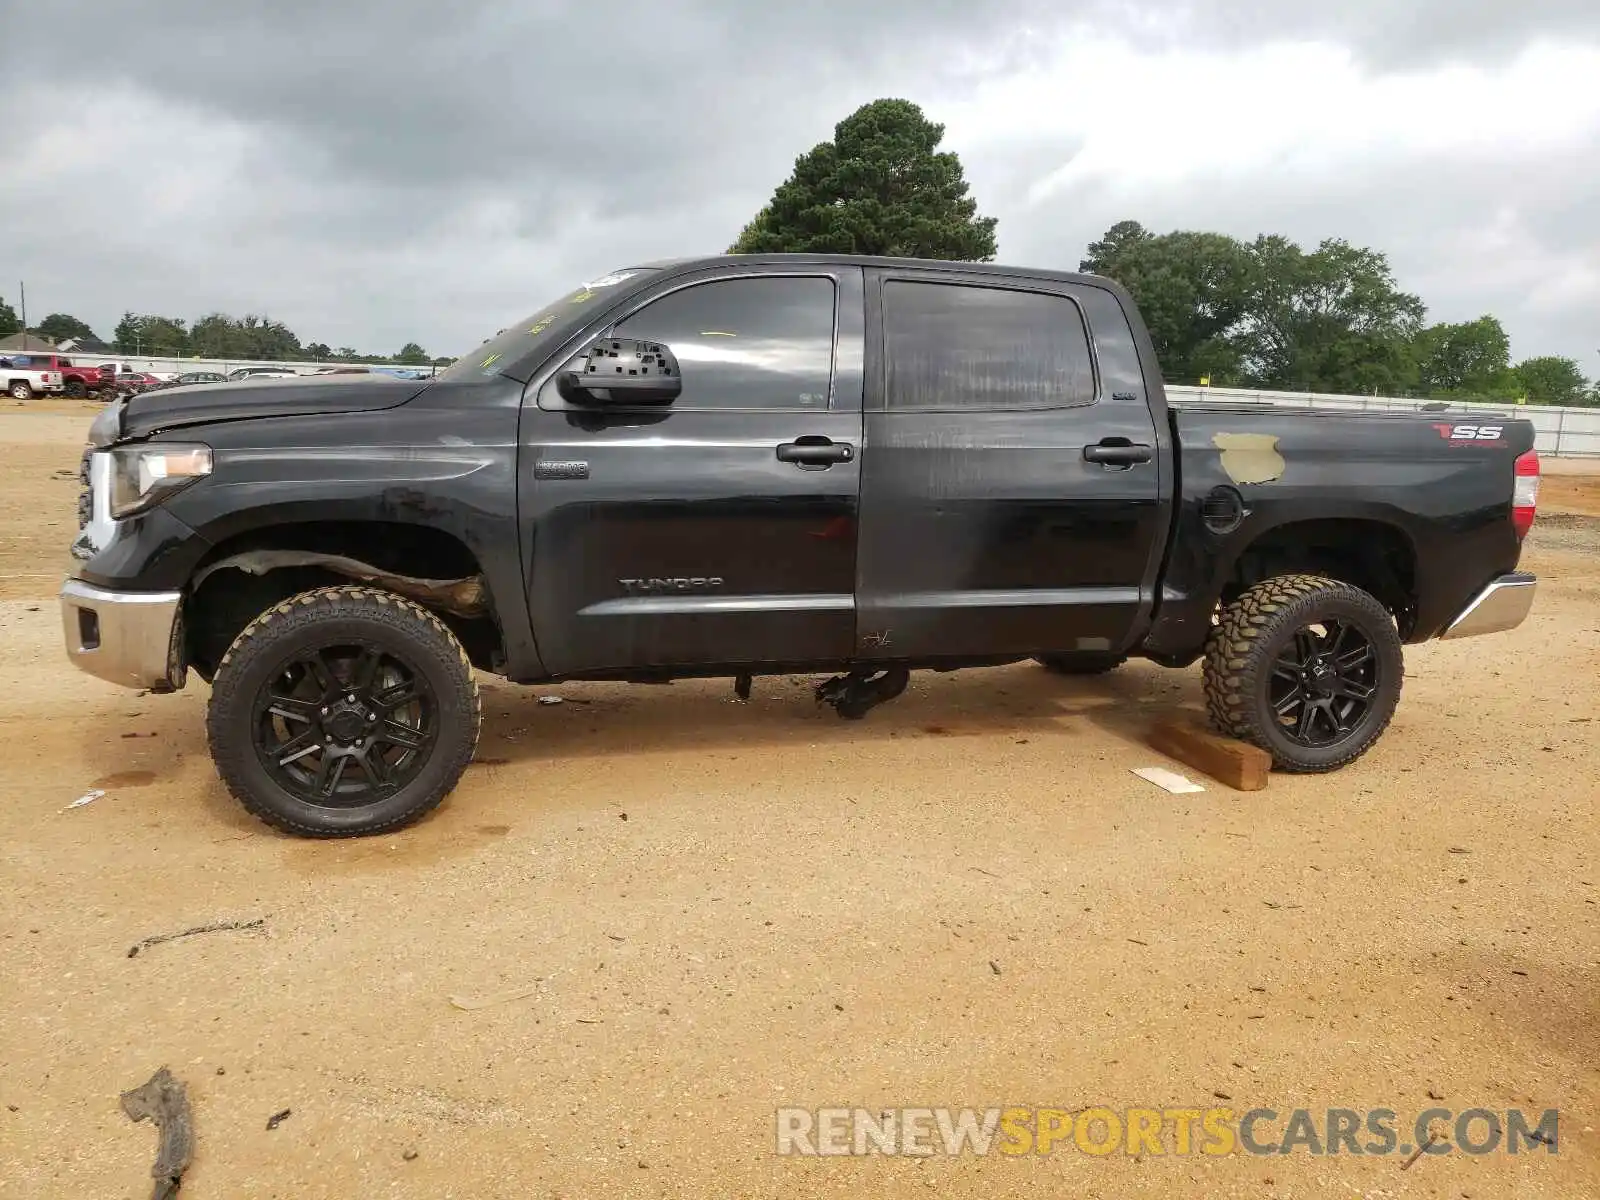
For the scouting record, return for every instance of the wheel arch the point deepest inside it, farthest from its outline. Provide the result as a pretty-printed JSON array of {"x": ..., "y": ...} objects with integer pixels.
[
  {"x": 242, "y": 576},
  {"x": 1375, "y": 555}
]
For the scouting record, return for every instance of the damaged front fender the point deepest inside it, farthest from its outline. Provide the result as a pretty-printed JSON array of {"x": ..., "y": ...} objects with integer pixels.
[{"x": 468, "y": 597}]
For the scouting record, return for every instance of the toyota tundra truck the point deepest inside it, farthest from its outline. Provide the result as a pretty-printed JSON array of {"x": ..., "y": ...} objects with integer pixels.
[{"x": 751, "y": 465}]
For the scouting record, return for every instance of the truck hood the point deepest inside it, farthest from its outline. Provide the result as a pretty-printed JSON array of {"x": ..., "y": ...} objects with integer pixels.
[{"x": 204, "y": 403}]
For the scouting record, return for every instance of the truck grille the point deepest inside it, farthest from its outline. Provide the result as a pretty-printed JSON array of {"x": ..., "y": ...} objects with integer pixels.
[{"x": 85, "y": 493}]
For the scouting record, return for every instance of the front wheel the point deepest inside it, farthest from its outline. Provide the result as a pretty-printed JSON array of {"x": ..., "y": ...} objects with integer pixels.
[
  {"x": 76, "y": 390},
  {"x": 343, "y": 711},
  {"x": 1307, "y": 668}
]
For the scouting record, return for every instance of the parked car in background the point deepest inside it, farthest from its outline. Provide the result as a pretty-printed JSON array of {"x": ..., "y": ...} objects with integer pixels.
[
  {"x": 22, "y": 380},
  {"x": 131, "y": 383},
  {"x": 257, "y": 373},
  {"x": 76, "y": 381},
  {"x": 188, "y": 379}
]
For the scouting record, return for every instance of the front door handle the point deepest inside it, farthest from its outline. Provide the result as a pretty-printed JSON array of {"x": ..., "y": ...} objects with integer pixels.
[
  {"x": 814, "y": 453},
  {"x": 1117, "y": 452}
]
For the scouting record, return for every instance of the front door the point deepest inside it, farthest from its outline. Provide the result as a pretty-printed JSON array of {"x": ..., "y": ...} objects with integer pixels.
[
  {"x": 986, "y": 528},
  {"x": 721, "y": 529}
]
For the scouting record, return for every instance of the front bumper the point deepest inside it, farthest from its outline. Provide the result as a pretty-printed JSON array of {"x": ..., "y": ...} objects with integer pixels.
[
  {"x": 129, "y": 638},
  {"x": 1503, "y": 605}
]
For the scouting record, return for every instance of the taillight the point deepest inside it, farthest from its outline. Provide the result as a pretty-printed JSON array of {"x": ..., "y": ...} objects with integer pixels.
[{"x": 1525, "y": 492}]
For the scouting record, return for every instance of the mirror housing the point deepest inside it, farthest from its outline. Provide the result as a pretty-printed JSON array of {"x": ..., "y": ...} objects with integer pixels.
[{"x": 622, "y": 371}]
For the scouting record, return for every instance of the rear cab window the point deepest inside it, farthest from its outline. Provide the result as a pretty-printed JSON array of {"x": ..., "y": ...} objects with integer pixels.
[{"x": 970, "y": 347}]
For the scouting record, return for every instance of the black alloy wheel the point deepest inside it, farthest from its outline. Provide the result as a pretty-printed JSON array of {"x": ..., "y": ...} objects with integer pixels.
[
  {"x": 1307, "y": 668},
  {"x": 342, "y": 711},
  {"x": 1324, "y": 683},
  {"x": 345, "y": 725}
]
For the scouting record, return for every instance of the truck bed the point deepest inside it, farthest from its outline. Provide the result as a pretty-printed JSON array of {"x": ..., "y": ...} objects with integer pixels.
[{"x": 1443, "y": 487}]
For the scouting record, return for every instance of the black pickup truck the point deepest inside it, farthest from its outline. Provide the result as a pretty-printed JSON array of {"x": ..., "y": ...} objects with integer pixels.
[{"x": 752, "y": 465}]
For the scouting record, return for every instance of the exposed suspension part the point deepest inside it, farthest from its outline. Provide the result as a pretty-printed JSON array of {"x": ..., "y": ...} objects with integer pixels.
[{"x": 856, "y": 694}]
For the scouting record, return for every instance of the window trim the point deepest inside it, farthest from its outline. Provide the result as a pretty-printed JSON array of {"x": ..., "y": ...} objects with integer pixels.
[
  {"x": 562, "y": 357},
  {"x": 1000, "y": 283}
]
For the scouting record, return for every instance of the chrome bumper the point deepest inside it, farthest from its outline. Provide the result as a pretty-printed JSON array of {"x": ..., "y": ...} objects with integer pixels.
[
  {"x": 127, "y": 638},
  {"x": 1503, "y": 605}
]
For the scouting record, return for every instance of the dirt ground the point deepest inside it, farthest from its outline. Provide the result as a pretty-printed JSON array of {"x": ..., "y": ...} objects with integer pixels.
[{"x": 714, "y": 910}]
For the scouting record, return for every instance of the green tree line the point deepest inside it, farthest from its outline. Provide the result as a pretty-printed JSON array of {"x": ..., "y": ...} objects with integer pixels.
[
  {"x": 216, "y": 335},
  {"x": 1265, "y": 313},
  {"x": 1269, "y": 314}
]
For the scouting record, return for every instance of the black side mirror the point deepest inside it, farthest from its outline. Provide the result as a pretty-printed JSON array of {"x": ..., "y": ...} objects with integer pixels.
[{"x": 623, "y": 371}]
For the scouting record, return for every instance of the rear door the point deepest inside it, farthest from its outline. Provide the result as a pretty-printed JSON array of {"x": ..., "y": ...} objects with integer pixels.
[
  {"x": 1011, "y": 499},
  {"x": 722, "y": 529}
]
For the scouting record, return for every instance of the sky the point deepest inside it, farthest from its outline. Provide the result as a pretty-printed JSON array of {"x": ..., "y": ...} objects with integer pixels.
[{"x": 374, "y": 172}]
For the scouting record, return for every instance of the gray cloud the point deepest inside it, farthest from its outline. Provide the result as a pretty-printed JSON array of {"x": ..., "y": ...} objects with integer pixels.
[
  {"x": 375, "y": 172},
  {"x": 1387, "y": 34}
]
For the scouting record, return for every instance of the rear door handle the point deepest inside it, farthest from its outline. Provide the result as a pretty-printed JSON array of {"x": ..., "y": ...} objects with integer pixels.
[
  {"x": 1117, "y": 453},
  {"x": 814, "y": 453}
]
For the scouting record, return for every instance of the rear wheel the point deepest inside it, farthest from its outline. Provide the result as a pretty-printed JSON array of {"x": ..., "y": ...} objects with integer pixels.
[
  {"x": 343, "y": 711},
  {"x": 21, "y": 391},
  {"x": 1082, "y": 662},
  {"x": 76, "y": 389},
  {"x": 1307, "y": 668}
]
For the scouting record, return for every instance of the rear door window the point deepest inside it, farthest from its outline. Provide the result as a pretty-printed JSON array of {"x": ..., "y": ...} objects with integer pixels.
[{"x": 958, "y": 347}]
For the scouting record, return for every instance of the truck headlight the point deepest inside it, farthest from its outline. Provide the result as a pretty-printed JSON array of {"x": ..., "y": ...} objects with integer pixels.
[{"x": 145, "y": 476}]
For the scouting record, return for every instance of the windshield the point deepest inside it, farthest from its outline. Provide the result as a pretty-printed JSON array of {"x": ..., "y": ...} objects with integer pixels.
[{"x": 545, "y": 327}]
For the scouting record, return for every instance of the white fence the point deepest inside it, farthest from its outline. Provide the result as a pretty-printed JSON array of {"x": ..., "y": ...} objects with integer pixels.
[
  {"x": 1558, "y": 432},
  {"x": 180, "y": 366}
]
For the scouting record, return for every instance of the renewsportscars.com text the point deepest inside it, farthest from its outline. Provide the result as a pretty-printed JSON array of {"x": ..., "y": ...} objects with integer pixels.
[{"x": 1023, "y": 1130}]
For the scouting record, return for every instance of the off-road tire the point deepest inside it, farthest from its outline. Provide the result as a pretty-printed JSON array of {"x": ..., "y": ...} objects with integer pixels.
[
  {"x": 323, "y": 617},
  {"x": 21, "y": 390},
  {"x": 1081, "y": 662},
  {"x": 76, "y": 389},
  {"x": 1242, "y": 647}
]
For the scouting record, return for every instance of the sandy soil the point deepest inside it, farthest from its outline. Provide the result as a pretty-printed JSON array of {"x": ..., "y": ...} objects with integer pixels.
[{"x": 718, "y": 909}]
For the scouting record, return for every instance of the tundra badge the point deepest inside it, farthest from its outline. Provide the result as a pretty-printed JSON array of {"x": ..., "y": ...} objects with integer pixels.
[{"x": 696, "y": 583}]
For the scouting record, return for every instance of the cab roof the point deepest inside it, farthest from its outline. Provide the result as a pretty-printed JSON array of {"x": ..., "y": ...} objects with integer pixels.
[{"x": 867, "y": 260}]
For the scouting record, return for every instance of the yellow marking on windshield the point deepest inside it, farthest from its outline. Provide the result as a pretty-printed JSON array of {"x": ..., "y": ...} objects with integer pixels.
[
  {"x": 491, "y": 360},
  {"x": 716, "y": 333},
  {"x": 542, "y": 324},
  {"x": 586, "y": 293}
]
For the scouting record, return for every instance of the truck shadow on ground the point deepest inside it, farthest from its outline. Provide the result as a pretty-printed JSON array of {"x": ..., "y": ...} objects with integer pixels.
[
  {"x": 609, "y": 719},
  {"x": 157, "y": 756}
]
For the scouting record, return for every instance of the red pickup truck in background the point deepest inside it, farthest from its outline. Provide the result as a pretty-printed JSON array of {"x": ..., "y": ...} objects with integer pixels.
[{"x": 76, "y": 381}]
